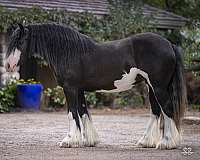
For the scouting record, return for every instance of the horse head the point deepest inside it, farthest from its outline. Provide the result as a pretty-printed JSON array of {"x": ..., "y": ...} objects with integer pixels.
[{"x": 16, "y": 47}]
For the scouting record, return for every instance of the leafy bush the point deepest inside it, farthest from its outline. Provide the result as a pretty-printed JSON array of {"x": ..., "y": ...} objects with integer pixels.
[
  {"x": 124, "y": 99},
  {"x": 91, "y": 99},
  {"x": 125, "y": 18},
  {"x": 196, "y": 106},
  {"x": 191, "y": 46},
  {"x": 56, "y": 97},
  {"x": 29, "y": 81},
  {"x": 8, "y": 97},
  {"x": 8, "y": 94}
]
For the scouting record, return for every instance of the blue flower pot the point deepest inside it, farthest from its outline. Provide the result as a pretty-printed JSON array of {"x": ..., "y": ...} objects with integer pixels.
[{"x": 29, "y": 96}]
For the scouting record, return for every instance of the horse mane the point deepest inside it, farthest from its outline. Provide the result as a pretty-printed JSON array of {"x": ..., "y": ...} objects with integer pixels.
[{"x": 55, "y": 43}]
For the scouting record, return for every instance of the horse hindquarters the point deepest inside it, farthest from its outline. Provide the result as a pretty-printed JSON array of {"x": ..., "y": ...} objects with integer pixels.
[
  {"x": 173, "y": 110},
  {"x": 167, "y": 105}
]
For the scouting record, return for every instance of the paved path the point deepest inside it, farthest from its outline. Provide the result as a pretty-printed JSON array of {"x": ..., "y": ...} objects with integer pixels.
[{"x": 34, "y": 136}]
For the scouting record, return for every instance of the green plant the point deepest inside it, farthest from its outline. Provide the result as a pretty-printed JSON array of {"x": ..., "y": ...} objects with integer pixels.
[
  {"x": 191, "y": 46},
  {"x": 125, "y": 18},
  {"x": 29, "y": 81},
  {"x": 196, "y": 106},
  {"x": 8, "y": 97},
  {"x": 8, "y": 94},
  {"x": 129, "y": 98},
  {"x": 91, "y": 98},
  {"x": 121, "y": 101},
  {"x": 56, "y": 97}
]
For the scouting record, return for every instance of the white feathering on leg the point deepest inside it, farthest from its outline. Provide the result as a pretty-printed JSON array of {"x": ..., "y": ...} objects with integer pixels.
[
  {"x": 171, "y": 136},
  {"x": 152, "y": 133},
  {"x": 90, "y": 134},
  {"x": 75, "y": 137}
]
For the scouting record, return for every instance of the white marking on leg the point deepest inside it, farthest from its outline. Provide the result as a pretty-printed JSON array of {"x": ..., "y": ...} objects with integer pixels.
[
  {"x": 171, "y": 137},
  {"x": 152, "y": 134},
  {"x": 89, "y": 132},
  {"x": 127, "y": 81},
  {"x": 75, "y": 137}
]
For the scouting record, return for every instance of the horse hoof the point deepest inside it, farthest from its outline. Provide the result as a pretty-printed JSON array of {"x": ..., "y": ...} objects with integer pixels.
[
  {"x": 71, "y": 142},
  {"x": 91, "y": 140},
  {"x": 91, "y": 143},
  {"x": 145, "y": 145},
  {"x": 64, "y": 144},
  {"x": 145, "y": 142},
  {"x": 166, "y": 144}
]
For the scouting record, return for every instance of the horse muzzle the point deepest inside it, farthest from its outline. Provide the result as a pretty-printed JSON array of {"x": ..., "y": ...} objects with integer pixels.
[{"x": 11, "y": 64}]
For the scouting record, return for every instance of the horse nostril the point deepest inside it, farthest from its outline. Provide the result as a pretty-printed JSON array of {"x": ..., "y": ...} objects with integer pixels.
[
  {"x": 8, "y": 65},
  {"x": 15, "y": 65}
]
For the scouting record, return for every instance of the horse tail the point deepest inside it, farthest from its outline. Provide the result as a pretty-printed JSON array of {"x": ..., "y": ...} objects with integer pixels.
[{"x": 178, "y": 88}]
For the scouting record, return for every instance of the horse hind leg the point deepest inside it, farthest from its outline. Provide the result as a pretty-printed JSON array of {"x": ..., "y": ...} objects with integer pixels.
[
  {"x": 151, "y": 136},
  {"x": 170, "y": 135},
  {"x": 89, "y": 132},
  {"x": 161, "y": 132}
]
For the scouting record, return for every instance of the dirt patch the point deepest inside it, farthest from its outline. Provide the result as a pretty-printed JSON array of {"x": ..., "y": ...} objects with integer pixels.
[{"x": 34, "y": 136}]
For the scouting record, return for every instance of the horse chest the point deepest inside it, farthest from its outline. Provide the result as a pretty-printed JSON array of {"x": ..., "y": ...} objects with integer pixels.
[{"x": 127, "y": 81}]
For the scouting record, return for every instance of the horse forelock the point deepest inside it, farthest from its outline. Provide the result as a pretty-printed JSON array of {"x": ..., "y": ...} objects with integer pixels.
[{"x": 55, "y": 43}]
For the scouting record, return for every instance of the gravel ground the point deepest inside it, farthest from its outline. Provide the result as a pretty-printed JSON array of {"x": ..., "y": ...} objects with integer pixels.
[{"x": 34, "y": 136}]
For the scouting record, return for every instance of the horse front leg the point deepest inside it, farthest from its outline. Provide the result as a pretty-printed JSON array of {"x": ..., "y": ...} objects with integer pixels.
[
  {"x": 90, "y": 135},
  {"x": 75, "y": 136}
]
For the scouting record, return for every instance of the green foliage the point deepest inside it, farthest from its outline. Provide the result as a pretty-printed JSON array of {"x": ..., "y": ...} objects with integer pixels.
[
  {"x": 8, "y": 97},
  {"x": 122, "y": 101},
  {"x": 56, "y": 97},
  {"x": 40, "y": 61},
  {"x": 196, "y": 106},
  {"x": 25, "y": 16},
  {"x": 29, "y": 81},
  {"x": 8, "y": 94},
  {"x": 91, "y": 98},
  {"x": 125, "y": 18},
  {"x": 191, "y": 46},
  {"x": 186, "y": 8},
  {"x": 129, "y": 98},
  {"x": 174, "y": 36}
]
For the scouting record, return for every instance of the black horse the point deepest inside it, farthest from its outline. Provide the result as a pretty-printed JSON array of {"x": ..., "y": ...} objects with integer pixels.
[{"x": 81, "y": 64}]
